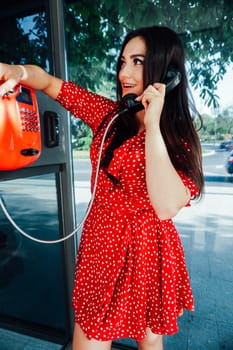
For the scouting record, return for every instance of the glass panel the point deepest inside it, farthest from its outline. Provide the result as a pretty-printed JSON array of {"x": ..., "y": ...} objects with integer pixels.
[
  {"x": 32, "y": 281},
  {"x": 32, "y": 288},
  {"x": 24, "y": 39}
]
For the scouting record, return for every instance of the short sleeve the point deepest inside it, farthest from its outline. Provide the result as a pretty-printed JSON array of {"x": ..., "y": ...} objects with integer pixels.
[
  {"x": 83, "y": 104},
  {"x": 190, "y": 184}
]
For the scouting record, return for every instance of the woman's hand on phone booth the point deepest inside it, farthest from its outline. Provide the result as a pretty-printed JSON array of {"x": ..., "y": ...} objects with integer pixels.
[
  {"x": 10, "y": 76},
  {"x": 30, "y": 75}
]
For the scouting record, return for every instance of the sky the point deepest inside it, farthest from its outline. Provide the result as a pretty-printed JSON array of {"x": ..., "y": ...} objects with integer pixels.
[{"x": 224, "y": 91}]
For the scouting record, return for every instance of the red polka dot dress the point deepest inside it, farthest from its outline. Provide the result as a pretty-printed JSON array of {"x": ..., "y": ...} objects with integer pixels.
[{"x": 130, "y": 272}]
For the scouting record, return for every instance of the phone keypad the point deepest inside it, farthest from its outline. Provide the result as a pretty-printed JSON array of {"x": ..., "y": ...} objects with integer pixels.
[{"x": 29, "y": 120}]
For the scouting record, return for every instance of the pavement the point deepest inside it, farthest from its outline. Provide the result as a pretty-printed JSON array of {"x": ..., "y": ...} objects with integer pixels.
[{"x": 206, "y": 230}]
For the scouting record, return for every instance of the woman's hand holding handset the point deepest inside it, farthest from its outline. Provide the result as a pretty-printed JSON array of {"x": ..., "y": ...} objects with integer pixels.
[
  {"x": 153, "y": 100},
  {"x": 165, "y": 188}
]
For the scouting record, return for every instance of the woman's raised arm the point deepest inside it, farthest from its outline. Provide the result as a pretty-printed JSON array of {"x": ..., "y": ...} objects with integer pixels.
[{"x": 30, "y": 75}]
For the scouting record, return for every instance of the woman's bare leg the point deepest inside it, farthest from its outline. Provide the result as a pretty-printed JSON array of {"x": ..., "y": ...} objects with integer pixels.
[
  {"x": 81, "y": 342},
  {"x": 151, "y": 341}
]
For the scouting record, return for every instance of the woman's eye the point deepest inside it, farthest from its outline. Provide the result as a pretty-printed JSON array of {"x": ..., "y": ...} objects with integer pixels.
[{"x": 138, "y": 61}]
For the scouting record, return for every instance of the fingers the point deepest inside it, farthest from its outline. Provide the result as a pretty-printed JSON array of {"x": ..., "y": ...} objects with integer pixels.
[
  {"x": 8, "y": 86},
  {"x": 153, "y": 101},
  {"x": 156, "y": 90},
  {"x": 10, "y": 75},
  {"x": 152, "y": 93}
]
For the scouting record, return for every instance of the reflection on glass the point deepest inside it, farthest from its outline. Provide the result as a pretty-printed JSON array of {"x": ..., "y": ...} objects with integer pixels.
[
  {"x": 25, "y": 41},
  {"x": 31, "y": 273}
]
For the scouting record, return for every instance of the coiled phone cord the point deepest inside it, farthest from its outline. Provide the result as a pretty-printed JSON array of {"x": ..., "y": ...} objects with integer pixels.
[{"x": 8, "y": 216}]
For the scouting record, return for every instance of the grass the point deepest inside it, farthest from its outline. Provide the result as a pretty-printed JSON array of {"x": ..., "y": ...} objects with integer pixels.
[{"x": 81, "y": 154}]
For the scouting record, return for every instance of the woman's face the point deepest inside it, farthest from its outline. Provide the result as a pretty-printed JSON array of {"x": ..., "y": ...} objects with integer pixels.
[{"x": 132, "y": 65}]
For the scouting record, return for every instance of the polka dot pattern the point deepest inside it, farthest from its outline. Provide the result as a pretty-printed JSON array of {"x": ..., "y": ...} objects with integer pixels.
[{"x": 131, "y": 271}]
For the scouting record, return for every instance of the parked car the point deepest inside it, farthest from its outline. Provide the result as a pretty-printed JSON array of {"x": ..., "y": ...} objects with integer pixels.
[
  {"x": 229, "y": 163},
  {"x": 227, "y": 145}
]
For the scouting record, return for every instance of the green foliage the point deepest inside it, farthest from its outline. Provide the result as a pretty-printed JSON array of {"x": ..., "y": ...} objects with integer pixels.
[
  {"x": 18, "y": 45},
  {"x": 81, "y": 135},
  {"x": 92, "y": 41},
  {"x": 217, "y": 127},
  {"x": 95, "y": 30}
]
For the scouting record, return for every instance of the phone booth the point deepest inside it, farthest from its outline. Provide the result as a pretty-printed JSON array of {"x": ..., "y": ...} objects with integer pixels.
[
  {"x": 20, "y": 134},
  {"x": 36, "y": 184}
]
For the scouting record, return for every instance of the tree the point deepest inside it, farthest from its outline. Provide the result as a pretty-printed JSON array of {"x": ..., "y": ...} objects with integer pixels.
[
  {"x": 18, "y": 45},
  {"x": 95, "y": 30},
  {"x": 81, "y": 135},
  {"x": 218, "y": 127},
  {"x": 225, "y": 120}
]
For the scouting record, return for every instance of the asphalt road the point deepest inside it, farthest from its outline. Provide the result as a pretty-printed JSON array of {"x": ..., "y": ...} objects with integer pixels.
[{"x": 214, "y": 161}]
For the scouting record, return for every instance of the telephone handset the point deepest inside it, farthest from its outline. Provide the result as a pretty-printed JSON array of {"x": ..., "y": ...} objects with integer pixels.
[
  {"x": 20, "y": 138},
  {"x": 172, "y": 79}
]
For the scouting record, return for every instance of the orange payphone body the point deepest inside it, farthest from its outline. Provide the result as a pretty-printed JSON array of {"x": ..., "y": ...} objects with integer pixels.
[{"x": 20, "y": 138}]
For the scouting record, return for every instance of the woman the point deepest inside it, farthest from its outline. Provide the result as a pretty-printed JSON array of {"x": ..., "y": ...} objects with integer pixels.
[{"x": 131, "y": 279}]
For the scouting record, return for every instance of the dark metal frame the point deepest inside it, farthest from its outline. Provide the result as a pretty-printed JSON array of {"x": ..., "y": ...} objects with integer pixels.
[{"x": 61, "y": 167}]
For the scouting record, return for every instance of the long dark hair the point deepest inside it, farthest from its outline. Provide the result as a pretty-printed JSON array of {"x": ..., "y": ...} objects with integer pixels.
[{"x": 164, "y": 50}]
